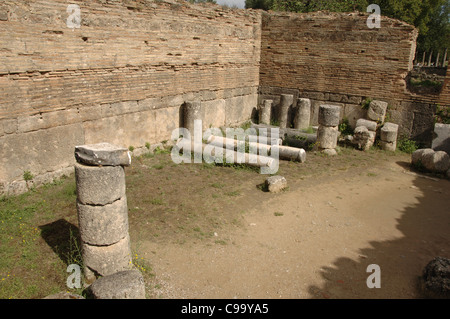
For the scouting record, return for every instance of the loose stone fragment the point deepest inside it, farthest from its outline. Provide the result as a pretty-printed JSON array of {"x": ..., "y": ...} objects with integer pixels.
[
  {"x": 275, "y": 184},
  {"x": 435, "y": 280},
  {"x": 363, "y": 138},
  {"x": 377, "y": 111}
]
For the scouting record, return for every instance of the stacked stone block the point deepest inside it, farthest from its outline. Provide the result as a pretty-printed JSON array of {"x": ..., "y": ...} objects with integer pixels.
[
  {"x": 102, "y": 209},
  {"x": 366, "y": 129},
  {"x": 328, "y": 132}
]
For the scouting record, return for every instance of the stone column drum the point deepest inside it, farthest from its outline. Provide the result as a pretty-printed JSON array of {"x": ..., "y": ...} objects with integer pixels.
[
  {"x": 102, "y": 209},
  {"x": 328, "y": 132},
  {"x": 286, "y": 101},
  {"x": 303, "y": 114},
  {"x": 192, "y": 112},
  {"x": 388, "y": 137},
  {"x": 264, "y": 112}
]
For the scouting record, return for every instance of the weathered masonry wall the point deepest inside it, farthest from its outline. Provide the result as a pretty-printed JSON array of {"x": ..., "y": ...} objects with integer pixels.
[
  {"x": 335, "y": 58},
  {"x": 120, "y": 78}
]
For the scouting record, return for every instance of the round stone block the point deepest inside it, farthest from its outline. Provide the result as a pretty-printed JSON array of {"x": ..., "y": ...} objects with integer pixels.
[
  {"x": 103, "y": 225},
  {"x": 192, "y": 112},
  {"x": 99, "y": 185},
  {"x": 388, "y": 132},
  {"x": 388, "y": 146},
  {"x": 290, "y": 153},
  {"x": 127, "y": 284},
  {"x": 329, "y": 115},
  {"x": 286, "y": 101},
  {"x": 327, "y": 136},
  {"x": 438, "y": 162},
  {"x": 417, "y": 156},
  {"x": 264, "y": 112},
  {"x": 106, "y": 260},
  {"x": 303, "y": 114}
]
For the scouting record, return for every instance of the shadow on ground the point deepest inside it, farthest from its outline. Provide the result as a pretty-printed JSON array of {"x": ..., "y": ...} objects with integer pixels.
[
  {"x": 63, "y": 238},
  {"x": 426, "y": 234}
]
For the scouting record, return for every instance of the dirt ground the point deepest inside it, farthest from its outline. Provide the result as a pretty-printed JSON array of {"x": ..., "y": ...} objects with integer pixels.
[{"x": 211, "y": 232}]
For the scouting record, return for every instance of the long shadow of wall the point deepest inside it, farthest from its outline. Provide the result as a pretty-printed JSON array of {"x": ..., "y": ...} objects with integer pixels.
[{"x": 426, "y": 234}]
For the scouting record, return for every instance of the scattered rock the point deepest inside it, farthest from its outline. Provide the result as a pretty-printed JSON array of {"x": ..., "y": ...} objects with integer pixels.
[
  {"x": 435, "y": 280},
  {"x": 416, "y": 156},
  {"x": 275, "y": 184},
  {"x": 127, "y": 284}
]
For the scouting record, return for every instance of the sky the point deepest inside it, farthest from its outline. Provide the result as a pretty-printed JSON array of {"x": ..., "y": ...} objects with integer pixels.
[{"x": 238, "y": 3}]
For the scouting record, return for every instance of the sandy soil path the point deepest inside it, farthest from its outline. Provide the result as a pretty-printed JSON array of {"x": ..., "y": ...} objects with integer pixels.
[{"x": 317, "y": 240}]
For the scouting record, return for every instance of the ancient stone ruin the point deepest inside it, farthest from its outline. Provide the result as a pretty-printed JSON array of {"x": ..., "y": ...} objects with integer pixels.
[{"x": 129, "y": 86}]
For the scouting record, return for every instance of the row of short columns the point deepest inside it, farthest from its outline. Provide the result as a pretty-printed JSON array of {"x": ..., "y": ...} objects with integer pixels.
[{"x": 301, "y": 117}]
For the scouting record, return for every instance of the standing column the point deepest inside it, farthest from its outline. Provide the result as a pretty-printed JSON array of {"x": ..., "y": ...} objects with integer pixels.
[
  {"x": 303, "y": 114},
  {"x": 388, "y": 137},
  {"x": 264, "y": 112},
  {"x": 192, "y": 112},
  {"x": 102, "y": 209},
  {"x": 328, "y": 132},
  {"x": 286, "y": 101}
]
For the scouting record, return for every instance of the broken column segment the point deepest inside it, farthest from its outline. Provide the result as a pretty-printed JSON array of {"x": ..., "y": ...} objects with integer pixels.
[
  {"x": 265, "y": 111},
  {"x": 377, "y": 111},
  {"x": 192, "y": 112},
  {"x": 363, "y": 138},
  {"x": 388, "y": 137},
  {"x": 285, "y": 103},
  {"x": 303, "y": 114},
  {"x": 102, "y": 209},
  {"x": 328, "y": 131}
]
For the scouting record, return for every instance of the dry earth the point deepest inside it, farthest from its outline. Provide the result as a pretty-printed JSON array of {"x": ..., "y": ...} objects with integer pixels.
[{"x": 314, "y": 240}]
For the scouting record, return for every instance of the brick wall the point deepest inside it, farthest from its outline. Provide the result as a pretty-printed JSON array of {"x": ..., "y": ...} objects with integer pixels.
[
  {"x": 335, "y": 58},
  {"x": 122, "y": 77},
  {"x": 444, "y": 98}
]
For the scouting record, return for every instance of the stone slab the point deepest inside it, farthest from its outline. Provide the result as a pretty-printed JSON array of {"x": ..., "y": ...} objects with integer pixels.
[{"x": 103, "y": 154}]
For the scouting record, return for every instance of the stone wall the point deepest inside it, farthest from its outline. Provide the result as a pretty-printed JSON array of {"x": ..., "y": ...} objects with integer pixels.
[
  {"x": 444, "y": 98},
  {"x": 121, "y": 77}
]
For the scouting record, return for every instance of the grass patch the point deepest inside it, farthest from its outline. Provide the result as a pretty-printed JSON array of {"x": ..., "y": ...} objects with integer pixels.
[{"x": 277, "y": 214}]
